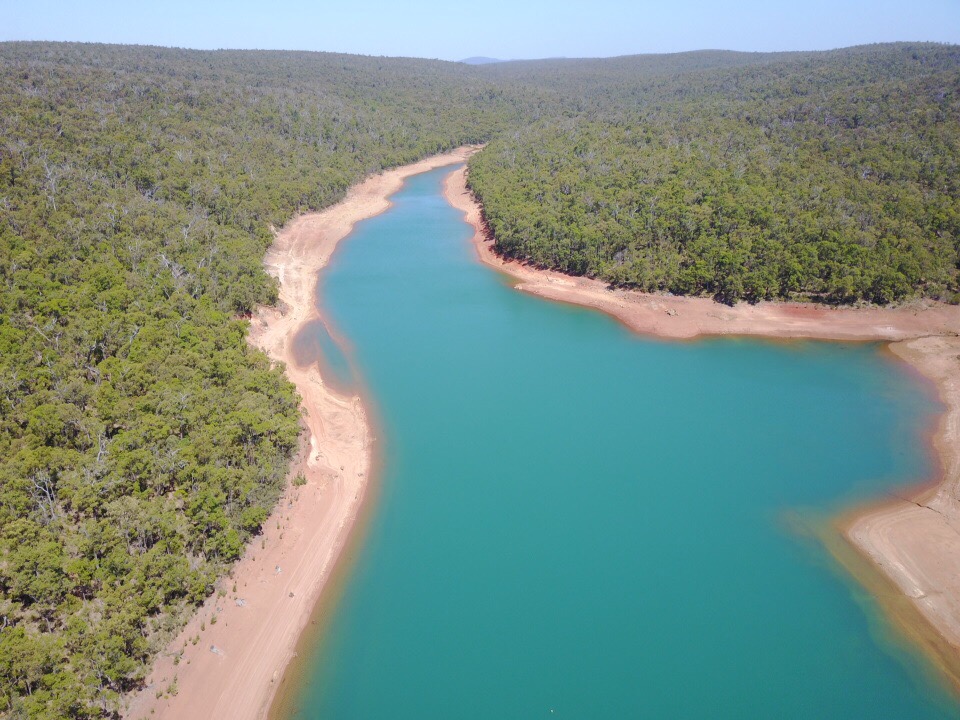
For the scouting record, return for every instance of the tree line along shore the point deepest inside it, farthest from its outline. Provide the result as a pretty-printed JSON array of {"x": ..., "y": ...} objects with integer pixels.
[{"x": 144, "y": 441}]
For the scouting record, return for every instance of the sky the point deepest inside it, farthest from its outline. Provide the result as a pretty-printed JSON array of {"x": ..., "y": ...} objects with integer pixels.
[{"x": 506, "y": 29}]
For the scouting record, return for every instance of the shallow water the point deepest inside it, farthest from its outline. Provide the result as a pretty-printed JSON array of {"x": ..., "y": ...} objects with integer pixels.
[
  {"x": 574, "y": 521},
  {"x": 314, "y": 344}
]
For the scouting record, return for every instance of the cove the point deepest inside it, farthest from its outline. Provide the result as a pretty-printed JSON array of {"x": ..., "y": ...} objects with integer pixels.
[{"x": 575, "y": 521}]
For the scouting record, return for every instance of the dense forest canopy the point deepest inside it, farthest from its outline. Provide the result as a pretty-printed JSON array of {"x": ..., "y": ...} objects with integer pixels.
[
  {"x": 144, "y": 441},
  {"x": 829, "y": 176}
]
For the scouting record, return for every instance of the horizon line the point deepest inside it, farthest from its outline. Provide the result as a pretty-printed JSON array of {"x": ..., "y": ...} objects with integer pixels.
[{"x": 468, "y": 57}]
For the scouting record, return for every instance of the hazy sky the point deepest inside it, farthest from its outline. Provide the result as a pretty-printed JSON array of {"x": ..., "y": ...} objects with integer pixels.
[{"x": 497, "y": 28}]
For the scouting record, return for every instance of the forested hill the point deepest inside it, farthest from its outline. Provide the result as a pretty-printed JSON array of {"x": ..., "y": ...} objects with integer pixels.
[
  {"x": 143, "y": 442},
  {"x": 830, "y": 176}
]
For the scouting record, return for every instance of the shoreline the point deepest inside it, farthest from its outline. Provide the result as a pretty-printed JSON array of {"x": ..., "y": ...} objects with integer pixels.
[
  {"x": 677, "y": 317},
  {"x": 904, "y": 550},
  {"x": 233, "y": 666}
]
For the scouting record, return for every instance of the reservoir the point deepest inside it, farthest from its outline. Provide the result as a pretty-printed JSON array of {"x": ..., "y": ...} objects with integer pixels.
[{"x": 575, "y": 521}]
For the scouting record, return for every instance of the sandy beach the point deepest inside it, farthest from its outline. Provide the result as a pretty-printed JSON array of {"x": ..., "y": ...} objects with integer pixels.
[
  {"x": 229, "y": 660},
  {"x": 915, "y": 539}
]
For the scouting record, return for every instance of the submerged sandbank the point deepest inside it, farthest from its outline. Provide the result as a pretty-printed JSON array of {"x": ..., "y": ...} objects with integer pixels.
[
  {"x": 915, "y": 539},
  {"x": 230, "y": 658}
]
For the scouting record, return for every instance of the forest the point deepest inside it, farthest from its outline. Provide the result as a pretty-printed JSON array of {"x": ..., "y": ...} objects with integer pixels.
[
  {"x": 830, "y": 177},
  {"x": 143, "y": 440}
]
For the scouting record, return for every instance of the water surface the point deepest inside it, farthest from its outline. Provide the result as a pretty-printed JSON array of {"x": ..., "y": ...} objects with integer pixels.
[
  {"x": 314, "y": 344},
  {"x": 575, "y": 521}
]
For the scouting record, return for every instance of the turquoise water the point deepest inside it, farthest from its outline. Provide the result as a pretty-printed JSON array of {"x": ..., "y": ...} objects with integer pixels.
[{"x": 577, "y": 522}]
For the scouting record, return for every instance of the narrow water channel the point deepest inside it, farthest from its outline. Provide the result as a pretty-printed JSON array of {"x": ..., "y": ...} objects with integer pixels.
[{"x": 574, "y": 521}]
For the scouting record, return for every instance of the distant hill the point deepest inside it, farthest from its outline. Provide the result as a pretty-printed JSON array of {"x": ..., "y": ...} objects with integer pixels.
[
  {"x": 479, "y": 60},
  {"x": 143, "y": 441},
  {"x": 826, "y": 176}
]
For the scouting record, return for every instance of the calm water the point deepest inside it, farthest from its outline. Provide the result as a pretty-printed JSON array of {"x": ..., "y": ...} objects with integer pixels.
[{"x": 578, "y": 522}]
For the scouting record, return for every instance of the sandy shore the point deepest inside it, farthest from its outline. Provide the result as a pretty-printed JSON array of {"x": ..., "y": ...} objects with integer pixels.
[
  {"x": 913, "y": 540},
  {"x": 230, "y": 668},
  {"x": 679, "y": 317}
]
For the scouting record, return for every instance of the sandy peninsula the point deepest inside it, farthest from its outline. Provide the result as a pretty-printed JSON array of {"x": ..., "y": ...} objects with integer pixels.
[
  {"x": 914, "y": 539},
  {"x": 228, "y": 661}
]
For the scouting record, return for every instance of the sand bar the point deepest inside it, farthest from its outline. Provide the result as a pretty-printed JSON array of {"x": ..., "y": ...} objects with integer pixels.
[
  {"x": 233, "y": 670},
  {"x": 914, "y": 539}
]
